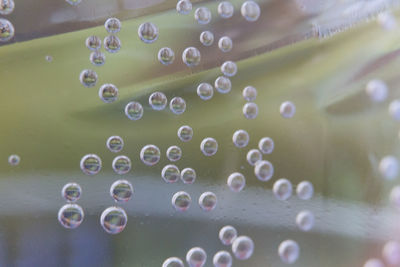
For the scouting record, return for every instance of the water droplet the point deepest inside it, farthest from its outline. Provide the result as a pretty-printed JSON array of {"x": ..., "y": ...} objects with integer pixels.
[
  {"x": 205, "y": 91},
  {"x": 88, "y": 78},
  {"x": 112, "y": 25},
  {"x": 121, "y": 165},
  {"x": 181, "y": 201},
  {"x": 196, "y": 257},
  {"x": 373, "y": 263},
  {"x": 207, "y": 38},
  {"x": 170, "y": 174},
  {"x": 173, "y": 261},
  {"x": 108, "y": 93},
  {"x": 74, "y": 2},
  {"x": 266, "y": 145},
  {"x": 6, "y": 7},
  {"x": 134, "y": 110},
  {"x": 90, "y": 164},
  {"x": 249, "y": 93},
  {"x": 166, "y": 56},
  {"x": 71, "y": 192},
  {"x": 263, "y": 170},
  {"x": 185, "y": 133},
  {"x": 184, "y": 7},
  {"x": 229, "y": 68},
  {"x": 236, "y": 182},
  {"x": 148, "y": 32},
  {"x": 227, "y": 235},
  {"x": 112, "y": 44},
  {"x": 305, "y": 190},
  {"x": 121, "y": 191},
  {"x": 394, "y": 109},
  {"x": 241, "y": 138},
  {"x": 188, "y": 176},
  {"x": 71, "y": 216},
  {"x": 6, "y": 30},
  {"x": 287, "y": 109},
  {"x": 202, "y": 15},
  {"x": 97, "y": 58},
  {"x": 14, "y": 160},
  {"x": 250, "y": 110},
  {"x": 174, "y": 153},
  {"x": 222, "y": 259},
  {"x": 113, "y": 220},
  {"x": 289, "y": 251},
  {"x": 150, "y": 155},
  {"x": 225, "y": 9},
  {"x": 305, "y": 220},
  {"x": 158, "y": 101},
  {"x": 223, "y": 85},
  {"x": 243, "y": 247},
  {"x": 377, "y": 90},
  {"x": 389, "y": 167},
  {"x": 225, "y": 44},
  {"x": 395, "y": 197},
  {"x": 209, "y": 146},
  {"x": 177, "y": 105},
  {"x": 93, "y": 43},
  {"x": 208, "y": 201},
  {"x": 282, "y": 189},
  {"x": 250, "y": 11},
  {"x": 191, "y": 56},
  {"x": 253, "y": 156},
  {"x": 115, "y": 143}
]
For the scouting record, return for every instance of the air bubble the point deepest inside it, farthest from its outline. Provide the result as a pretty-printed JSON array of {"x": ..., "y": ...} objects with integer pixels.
[
  {"x": 121, "y": 165},
  {"x": 289, "y": 251},
  {"x": 227, "y": 235},
  {"x": 225, "y": 9},
  {"x": 207, "y": 38},
  {"x": 6, "y": 7},
  {"x": 174, "y": 153},
  {"x": 208, "y": 201},
  {"x": 70, "y": 216},
  {"x": 253, "y": 156},
  {"x": 112, "y": 44},
  {"x": 223, "y": 85},
  {"x": 74, "y": 2},
  {"x": 134, "y": 110},
  {"x": 177, "y": 105},
  {"x": 202, "y": 15},
  {"x": 166, "y": 56},
  {"x": 150, "y": 155},
  {"x": 108, "y": 93},
  {"x": 266, "y": 145},
  {"x": 185, "y": 133},
  {"x": 250, "y": 110},
  {"x": 282, "y": 189},
  {"x": 49, "y": 58},
  {"x": 188, "y": 176},
  {"x": 90, "y": 164},
  {"x": 305, "y": 190},
  {"x": 196, "y": 257},
  {"x": 394, "y": 110},
  {"x": 112, "y": 25},
  {"x": 121, "y": 191},
  {"x": 205, "y": 91},
  {"x": 377, "y": 90},
  {"x": 71, "y": 192},
  {"x": 97, "y": 58},
  {"x": 249, "y": 93},
  {"x": 250, "y": 11},
  {"x": 263, "y": 170},
  {"x": 173, "y": 261},
  {"x": 395, "y": 197},
  {"x": 6, "y": 30},
  {"x": 222, "y": 259},
  {"x": 170, "y": 174},
  {"x": 391, "y": 253},
  {"x": 93, "y": 43},
  {"x": 373, "y": 263},
  {"x": 236, "y": 182},
  {"x": 115, "y": 143},
  {"x": 158, "y": 101},
  {"x": 14, "y": 160},
  {"x": 184, "y": 7},
  {"x": 191, "y": 56},
  {"x": 243, "y": 247},
  {"x": 229, "y": 68},
  {"x": 240, "y": 138},
  {"x": 225, "y": 44},
  {"x": 113, "y": 220},
  {"x": 209, "y": 146},
  {"x": 389, "y": 167},
  {"x": 287, "y": 109},
  {"x": 88, "y": 78},
  {"x": 305, "y": 220},
  {"x": 148, "y": 32},
  {"x": 181, "y": 201}
]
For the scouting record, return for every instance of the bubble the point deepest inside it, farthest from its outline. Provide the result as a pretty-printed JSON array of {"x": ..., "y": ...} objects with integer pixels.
[
  {"x": 240, "y": 138},
  {"x": 377, "y": 90},
  {"x": 202, "y": 15},
  {"x": 166, "y": 56},
  {"x": 112, "y": 44},
  {"x": 6, "y": 30},
  {"x": 170, "y": 174},
  {"x": 158, "y": 101},
  {"x": 97, "y": 58},
  {"x": 108, "y": 93},
  {"x": 113, "y": 220},
  {"x": 150, "y": 155},
  {"x": 395, "y": 196},
  {"x": 249, "y": 93},
  {"x": 6, "y": 7},
  {"x": 184, "y": 7},
  {"x": 74, "y": 2},
  {"x": 90, "y": 164},
  {"x": 289, "y": 251},
  {"x": 305, "y": 190},
  {"x": 263, "y": 170},
  {"x": 250, "y": 110},
  {"x": 282, "y": 189},
  {"x": 14, "y": 160},
  {"x": 373, "y": 263},
  {"x": 185, "y": 133},
  {"x": 227, "y": 235},
  {"x": 93, "y": 43},
  {"x": 287, "y": 109},
  {"x": 394, "y": 109},
  {"x": 209, "y": 146},
  {"x": 387, "y": 21},
  {"x": 188, "y": 176},
  {"x": 196, "y": 257},
  {"x": 205, "y": 91},
  {"x": 49, "y": 58},
  {"x": 148, "y": 32},
  {"x": 223, "y": 85},
  {"x": 121, "y": 165},
  {"x": 208, "y": 201},
  {"x": 71, "y": 216},
  {"x": 250, "y": 11},
  {"x": 121, "y": 191},
  {"x": 191, "y": 56},
  {"x": 112, "y": 25},
  {"x": 177, "y": 105},
  {"x": 181, "y": 201},
  {"x": 88, "y": 78},
  {"x": 266, "y": 145},
  {"x": 305, "y": 220},
  {"x": 173, "y": 261},
  {"x": 222, "y": 259},
  {"x": 253, "y": 156},
  {"x": 71, "y": 192},
  {"x": 115, "y": 143},
  {"x": 207, "y": 38},
  {"x": 225, "y": 44},
  {"x": 243, "y": 247},
  {"x": 391, "y": 253},
  {"x": 229, "y": 68},
  {"x": 225, "y": 9},
  {"x": 174, "y": 153},
  {"x": 134, "y": 110},
  {"x": 389, "y": 167},
  {"x": 236, "y": 182}
]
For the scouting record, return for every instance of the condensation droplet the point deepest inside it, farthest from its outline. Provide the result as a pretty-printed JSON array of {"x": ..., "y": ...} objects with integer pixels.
[
  {"x": 223, "y": 85},
  {"x": 243, "y": 247},
  {"x": 305, "y": 190},
  {"x": 225, "y": 44},
  {"x": 113, "y": 220},
  {"x": 174, "y": 153},
  {"x": 208, "y": 201},
  {"x": 282, "y": 189},
  {"x": 173, "y": 261},
  {"x": 266, "y": 145},
  {"x": 115, "y": 143},
  {"x": 287, "y": 109},
  {"x": 93, "y": 43},
  {"x": 177, "y": 105},
  {"x": 377, "y": 90},
  {"x": 6, "y": 7},
  {"x": 305, "y": 220},
  {"x": 97, "y": 58},
  {"x": 150, "y": 155},
  {"x": 71, "y": 192},
  {"x": 185, "y": 133},
  {"x": 108, "y": 93},
  {"x": 263, "y": 170},
  {"x": 184, "y": 7},
  {"x": 289, "y": 251},
  {"x": 121, "y": 191},
  {"x": 181, "y": 201},
  {"x": 134, "y": 110},
  {"x": 112, "y": 25},
  {"x": 394, "y": 109},
  {"x": 373, "y": 263},
  {"x": 207, "y": 38},
  {"x": 88, "y": 78},
  {"x": 227, "y": 235},
  {"x": 389, "y": 167},
  {"x": 209, "y": 146},
  {"x": 121, "y": 165},
  {"x": 188, "y": 176},
  {"x": 14, "y": 160},
  {"x": 196, "y": 257},
  {"x": 74, "y": 2},
  {"x": 112, "y": 44},
  {"x": 205, "y": 91},
  {"x": 166, "y": 56},
  {"x": 222, "y": 259},
  {"x": 250, "y": 110},
  {"x": 90, "y": 164},
  {"x": 253, "y": 156},
  {"x": 158, "y": 101},
  {"x": 250, "y": 11},
  {"x": 191, "y": 56},
  {"x": 148, "y": 32},
  {"x": 249, "y": 93},
  {"x": 225, "y": 9},
  {"x": 240, "y": 138},
  {"x": 7, "y": 30},
  {"x": 229, "y": 68},
  {"x": 70, "y": 216},
  {"x": 170, "y": 174},
  {"x": 202, "y": 15},
  {"x": 236, "y": 182}
]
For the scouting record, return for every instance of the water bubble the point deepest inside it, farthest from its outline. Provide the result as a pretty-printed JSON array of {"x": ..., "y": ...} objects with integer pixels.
[
  {"x": 305, "y": 190},
  {"x": 266, "y": 145},
  {"x": 71, "y": 216},
  {"x": 236, "y": 182},
  {"x": 112, "y": 44},
  {"x": 207, "y": 38},
  {"x": 240, "y": 138},
  {"x": 148, "y": 32},
  {"x": 305, "y": 220},
  {"x": 184, "y": 7},
  {"x": 90, "y": 164},
  {"x": 185, "y": 133},
  {"x": 282, "y": 189},
  {"x": 170, "y": 174},
  {"x": 395, "y": 196},
  {"x": 389, "y": 167},
  {"x": 121, "y": 191},
  {"x": 158, "y": 101},
  {"x": 188, "y": 176},
  {"x": 108, "y": 93},
  {"x": 263, "y": 170},
  {"x": 177, "y": 105},
  {"x": 227, "y": 235},
  {"x": 166, "y": 56},
  {"x": 97, "y": 58},
  {"x": 6, "y": 7},
  {"x": 121, "y": 165},
  {"x": 229, "y": 68},
  {"x": 250, "y": 11},
  {"x": 49, "y": 58},
  {"x": 377, "y": 90},
  {"x": 112, "y": 25},
  {"x": 150, "y": 155},
  {"x": 250, "y": 110},
  {"x": 289, "y": 251},
  {"x": 202, "y": 15},
  {"x": 287, "y": 109},
  {"x": 93, "y": 43},
  {"x": 134, "y": 110},
  {"x": 223, "y": 85},
  {"x": 71, "y": 192},
  {"x": 74, "y": 2},
  {"x": 253, "y": 156},
  {"x": 373, "y": 263},
  {"x": 222, "y": 259},
  {"x": 205, "y": 91},
  {"x": 14, "y": 160},
  {"x": 196, "y": 257},
  {"x": 88, "y": 78},
  {"x": 173, "y": 261},
  {"x": 225, "y": 44},
  {"x": 208, "y": 201},
  {"x": 394, "y": 109},
  {"x": 115, "y": 143},
  {"x": 391, "y": 253},
  {"x": 174, "y": 153},
  {"x": 181, "y": 201},
  {"x": 209, "y": 146},
  {"x": 113, "y": 220},
  {"x": 225, "y": 9},
  {"x": 243, "y": 247},
  {"x": 6, "y": 30},
  {"x": 191, "y": 56},
  {"x": 249, "y": 93}
]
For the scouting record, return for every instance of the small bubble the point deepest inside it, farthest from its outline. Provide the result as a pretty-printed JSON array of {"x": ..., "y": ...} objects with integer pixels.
[
  {"x": 184, "y": 7},
  {"x": 225, "y": 9},
  {"x": 166, "y": 56},
  {"x": 305, "y": 190},
  {"x": 391, "y": 253},
  {"x": 253, "y": 156},
  {"x": 113, "y": 220},
  {"x": 74, "y": 2},
  {"x": 71, "y": 216},
  {"x": 108, "y": 93},
  {"x": 202, "y": 15},
  {"x": 250, "y": 11},
  {"x": 121, "y": 191},
  {"x": 250, "y": 110},
  {"x": 225, "y": 44},
  {"x": 90, "y": 164},
  {"x": 173, "y": 261},
  {"x": 71, "y": 192},
  {"x": 158, "y": 101},
  {"x": 387, "y": 21},
  {"x": 236, "y": 182},
  {"x": 263, "y": 170},
  {"x": 240, "y": 138},
  {"x": 177, "y": 105},
  {"x": 112, "y": 44},
  {"x": 249, "y": 93},
  {"x": 181, "y": 201},
  {"x": 6, "y": 30},
  {"x": 394, "y": 110},
  {"x": 115, "y": 143},
  {"x": 112, "y": 25},
  {"x": 88, "y": 78},
  {"x": 282, "y": 189},
  {"x": 287, "y": 109},
  {"x": 209, "y": 146},
  {"x": 373, "y": 263},
  {"x": 243, "y": 247},
  {"x": 208, "y": 201},
  {"x": 14, "y": 160},
  {"x": 222, "y": 259},
  {"x": 196, "y": 257},
  {"x": 134, "y": 110},
  {"x": 227, "y": 235},
  {"x": 150, "y": 155},
  {"x": 191, "y": 56},
  {"x": 207, "y": 38},
  {"x": 395, "y": 197},
  {"x": 121, "y": 165},
  {"x": 289, "y": 251},
  {"x": 205, "y": 91},
  {"x": 174, "y": 153},
  {"x": 49, "y": 58},
  {"x": 188, "y": 176},
  {"x": 223, "y": 85},
  {"x": 305, "y": 220},
  {"x": 148, "y": 32},
  {"x": 170, "y": 174},
  {"x": 229, "y": 68},
  {"x": 185, "y": 133},
  {"x": 389, "y": 167},
  {"x": 266, "y": 145},
  {"x": 93, "y": 43},
  {"x": 97, "y": 58},
  {"x": 377, "y": 90},
  {"x": 6, "y": 7}
]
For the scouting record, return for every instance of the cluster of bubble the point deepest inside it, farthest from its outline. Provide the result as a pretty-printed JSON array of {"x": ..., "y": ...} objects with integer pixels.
[
  {"x": 181, "y": 200},
  {"x": 7, "y": 30},
  {"x": 71, "y": 214}
]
